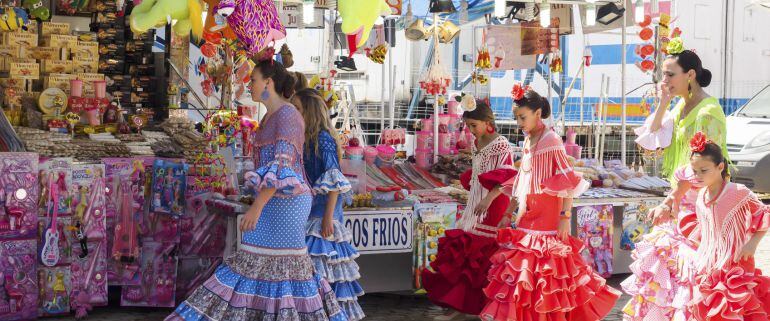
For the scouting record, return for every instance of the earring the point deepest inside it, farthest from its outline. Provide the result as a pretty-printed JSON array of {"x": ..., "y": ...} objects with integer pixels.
[
  {"x": 265, "y": 94},
  {"x": 689, "y": 88},
  {"x": 490, "y": 129}
]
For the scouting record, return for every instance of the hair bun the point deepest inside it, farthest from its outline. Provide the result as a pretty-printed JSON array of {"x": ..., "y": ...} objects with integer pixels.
[{"x": 704, "y": 78}]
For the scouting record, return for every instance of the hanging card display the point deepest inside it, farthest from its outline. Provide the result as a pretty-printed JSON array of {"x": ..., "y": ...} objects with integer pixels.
[
  {"x": 635, "y": 224},
  {"x": 18, "y": 280},
  {"x": 595, "y": 230},
  {"x": 168, "y": 187},
  {"x": 89, "y": 203},
  {"x": 19, "y": 192},
  {"x": 55, "y": 284}
]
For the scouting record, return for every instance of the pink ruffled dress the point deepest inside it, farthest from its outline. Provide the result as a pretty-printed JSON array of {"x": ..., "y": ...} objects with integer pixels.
[
  {"x": 729, "y": 288},
  {"x": 535, "y": 275},
  {"x": 662, "y": 280},
  {"x": 659, "y": 139}
]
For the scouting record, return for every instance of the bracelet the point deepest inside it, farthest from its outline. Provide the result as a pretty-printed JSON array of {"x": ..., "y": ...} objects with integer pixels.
[{"x": 665, "y": 207}]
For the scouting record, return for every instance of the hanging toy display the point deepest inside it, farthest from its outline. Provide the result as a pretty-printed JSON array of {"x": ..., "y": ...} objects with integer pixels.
[
  {"x": 556, "y": 63},
  {"x": 483, "y": 60},
  {"x": 13, "y": 18},
  {"x": 221, "y": 127},
  {"x": 479, "y": 78},
  {"x": 255, "y": 22},
  {"x": 151, "y": 14},
  {"x": 324, "y": 84},
  {"x": 377, "y": 54},
  {"x": 37, "y": 10},
  {"x": 437, "y": 79},
  {"x": 358, "y": 18}
]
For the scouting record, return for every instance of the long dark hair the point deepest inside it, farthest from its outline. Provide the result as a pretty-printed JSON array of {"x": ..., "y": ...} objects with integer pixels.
[
  {"x": 284, "y": 81},
  {"x": 689, "y": 60},
  {"x": 534, "y": 102}
]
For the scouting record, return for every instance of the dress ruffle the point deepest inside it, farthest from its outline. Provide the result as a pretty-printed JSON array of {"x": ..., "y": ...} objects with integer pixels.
[
  {"x": 282, "y": 178},
  {"x": 760, "y": 220},
  {"x": 230, "y": 295},
  {"x": 565, "y": 185},
  {"x": 461, "y": 266},
  {"x": 539, "y": 278},
  {"x": 493, "y": 178},
  {"x": 662, "y": 279},
  {"x": 332, "y": 181},
  {"x": 659, "y": 139},
  {"x": 333, "y": 259},
  {"x": 735, "y": 293}
]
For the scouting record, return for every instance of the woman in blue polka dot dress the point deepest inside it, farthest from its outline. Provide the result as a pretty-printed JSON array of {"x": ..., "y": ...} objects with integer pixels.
[
  {"x": 271, "y": 277},
  {"x": 328, "y": 241}
]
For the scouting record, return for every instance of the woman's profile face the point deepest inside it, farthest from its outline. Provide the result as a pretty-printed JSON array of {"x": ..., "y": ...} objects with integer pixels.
[
  {"x": 257, "y": 85},
  {"x": 526, "y": 119},
  {"x": 675, "y": 78}
]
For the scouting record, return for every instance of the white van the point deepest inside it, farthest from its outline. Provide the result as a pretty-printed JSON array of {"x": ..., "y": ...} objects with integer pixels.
[{"x": 748, "y": 142}]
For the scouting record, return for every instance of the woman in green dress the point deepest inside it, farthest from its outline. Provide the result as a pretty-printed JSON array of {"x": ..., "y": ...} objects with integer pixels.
[{"x": 676, "y": 227}]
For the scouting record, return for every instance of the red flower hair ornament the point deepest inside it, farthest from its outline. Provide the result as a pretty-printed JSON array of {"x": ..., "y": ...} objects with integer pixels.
[
  {"x": 518, "y": 91},
  {"x": 698, "y": 142}
]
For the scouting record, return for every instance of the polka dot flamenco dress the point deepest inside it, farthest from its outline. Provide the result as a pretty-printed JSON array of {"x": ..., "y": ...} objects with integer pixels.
[{"x": 271, "y": 277}]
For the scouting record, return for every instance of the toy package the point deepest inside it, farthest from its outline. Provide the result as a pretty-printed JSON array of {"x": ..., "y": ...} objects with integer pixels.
[
  {"x": 89, "y": 203},
  {"x": 60, "y": 170},
  {"x": 594, "y": 225},
  {"x": 203, "y": 233},
  {"x": 55, "y": 284},
  {"x": 18, "y": 280},
  {"x": 435, "y": 219},
  {"x": 157, "y": 277},
  {"x": 19, "y": 195},
  {"x": 67, "y": 237},
  {"x": 168, "y": 187},
  {"x": 126, "y": 185},
  {"x": 635, "y": 224},
  {"x": 89, "y": 276}
]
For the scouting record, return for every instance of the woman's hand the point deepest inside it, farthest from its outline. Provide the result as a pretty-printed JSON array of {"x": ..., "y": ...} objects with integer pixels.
[
  {"x": 505, "y": 222},
  {"x": 327, "y": 227},
  {"x": 482, "y": 207},
  {"x": 565, "y": 229},
  {"x": 660, "y": 214},
  {"x": 747, "y": 252},
  {"x": 249, "y": 221},
  {"x": 664, "y": 95}
]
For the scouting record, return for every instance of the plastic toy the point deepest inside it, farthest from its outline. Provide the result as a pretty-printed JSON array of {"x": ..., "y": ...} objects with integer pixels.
[
  {"x": 153, "y": 13},
  {"x": 37, "y": 10},
  {"x": 358, "y": 17},
  {"x": 168, "y": 186},
  {"x": 18, "y": 280},
  {"x": 20, "y": 189},
  {"x": 55, "y": 285},
  {"x": 254, "y": 22},
  {"x": 13, "y": 19}
]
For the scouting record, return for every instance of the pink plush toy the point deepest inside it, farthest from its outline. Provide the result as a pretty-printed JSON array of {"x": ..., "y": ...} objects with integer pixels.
[{"x": 254, "y": 22}]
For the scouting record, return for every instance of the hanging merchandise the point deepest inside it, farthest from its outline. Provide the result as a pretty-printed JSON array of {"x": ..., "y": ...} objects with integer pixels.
[
  {"x": 483, "y": 60},
  {"x": 216, "y": 23},
  {"x": 18, "y": 283},
  {"x": 89, "y": 279},
  {"x": 151, "y": 14},
  {"x": 358, "y": 17},
  {"x": 595, "y": 229},
  {"x": 158, "y": 277},
  {"x": 37, "y": 10},
  {"x": 18, "y": 195},
  {"x": 467, "y": 102},
  {"x": 324, "y": 84},
  {"x": 556, "y": 63},
  {"x": 55, "y": 284},
  {"x": 479, "y": 78},
  {"x": 254, "y": 22},
  {"x": 13, "y": 18},
  {"x": 50, "y": 254},
  {"x": 168, "y": 187},
  {"x": 88, "y": 180},
  {"x": 221, "y": 127},
  {"x": 377, "y": 54}
]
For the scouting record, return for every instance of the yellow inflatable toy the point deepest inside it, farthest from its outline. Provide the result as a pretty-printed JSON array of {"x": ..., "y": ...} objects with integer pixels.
[
  {"x": 358, "y": 17},
  {"x": 155, "y": 13}
]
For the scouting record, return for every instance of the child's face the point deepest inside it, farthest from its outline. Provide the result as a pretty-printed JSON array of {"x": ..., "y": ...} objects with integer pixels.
[
  {"x": 526, "y": 118},
  {"x": 477, "y": 127},
  {"x": 706, "y": 171}
]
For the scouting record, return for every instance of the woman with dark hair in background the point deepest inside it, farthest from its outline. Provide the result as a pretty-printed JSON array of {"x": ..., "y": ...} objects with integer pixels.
[
  {"x": 675, "y": 220},
  {"x": 460, "y": 269},
  {"x": 271, "y": 276},
  {"x": 538, "y": 273}
]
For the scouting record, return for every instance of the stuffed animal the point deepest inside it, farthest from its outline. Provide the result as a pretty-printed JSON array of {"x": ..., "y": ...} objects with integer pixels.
[
  {"x": 215, "y": 23},
  {"x": 13, "y": 18},
  {"x": 254, "y": 22},
  {"x": 358, "y": 18},
  {"x": 154, "y": 13},
  {"x": 37, "y": 10}
]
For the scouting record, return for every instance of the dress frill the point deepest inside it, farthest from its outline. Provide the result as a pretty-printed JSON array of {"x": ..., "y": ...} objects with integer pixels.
[
  {"x": 654, "y": 140},
  {"x": 736, "y": 293},
  {"x": 273, "y": 175},
  {"x": 253, "y": 287},
  {"x": 541, "y": 278},
  {"x": 334, "y": 259},
  {"x": 662, "y": 280},
  {"x": 461, "y": 266}
]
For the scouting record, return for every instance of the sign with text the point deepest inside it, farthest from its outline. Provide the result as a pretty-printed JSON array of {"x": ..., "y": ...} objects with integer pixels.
[
  {"x": 377, "y": 232},
  {"x": 291, "y": 17}
]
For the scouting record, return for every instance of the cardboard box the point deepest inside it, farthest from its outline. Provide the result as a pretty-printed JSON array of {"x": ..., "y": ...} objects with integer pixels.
[
  {"x": 86, "y": 65},
  {"x": 55, "y": 66},
  {"x": 86, "y": 50},
  {"x": 88, "y": 82},
  {"x": 26, "y": 71},
  {"x": 56, "y": 28},
  {"x": 44, "y": 53},
  {"x": 61, "y": 81},
  {"x": 21, "y": 39},
  {"x": 60, "y": 41}
]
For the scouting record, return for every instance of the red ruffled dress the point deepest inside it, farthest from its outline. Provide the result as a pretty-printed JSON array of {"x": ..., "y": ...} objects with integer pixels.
[
  {"x": 462, "y": 261},
  {"x": 726, "y": 289},
  {"x": 536, "y": 276}
]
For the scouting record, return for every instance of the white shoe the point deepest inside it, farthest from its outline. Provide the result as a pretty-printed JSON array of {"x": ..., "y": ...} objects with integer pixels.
[{"x": 449, "y": 316}]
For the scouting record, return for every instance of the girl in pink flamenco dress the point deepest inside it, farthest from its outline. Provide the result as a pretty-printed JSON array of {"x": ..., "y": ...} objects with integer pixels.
[
  {"x": 538, "y": 273},
  {"x": 732, "y": 223}
]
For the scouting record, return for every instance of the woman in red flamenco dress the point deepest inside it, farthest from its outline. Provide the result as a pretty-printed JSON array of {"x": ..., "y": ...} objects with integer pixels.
[
  {"x": 462, "y": 261},
  {"x": 732, "y": 223},
  {"x": 538, "y": 274}
]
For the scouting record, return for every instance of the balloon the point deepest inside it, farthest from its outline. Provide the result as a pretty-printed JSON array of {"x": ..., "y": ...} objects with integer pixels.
[
  {"x": 254, "y": 22},
  {"x": 155, "y": 13},
  {"x": 208, "y": 50},
  {"x": 358, "y": 17},
  {"x": 645, "y": 34}
]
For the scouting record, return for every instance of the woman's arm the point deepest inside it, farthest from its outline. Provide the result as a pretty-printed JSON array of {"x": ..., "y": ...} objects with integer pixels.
[
  {"x": 255, "y": 211},
  {"x": 664, "y": 98}
]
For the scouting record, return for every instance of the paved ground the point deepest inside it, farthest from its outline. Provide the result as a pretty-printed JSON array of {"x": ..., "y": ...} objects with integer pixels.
[{"x": 378, "y": 307}]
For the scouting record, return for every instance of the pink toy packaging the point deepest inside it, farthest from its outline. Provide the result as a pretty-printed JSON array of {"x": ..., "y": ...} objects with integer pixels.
[
  {"x": 55, "y": 284},
  {"x": 192, "y": 273},
  {"x": 67, "y": 238},
  {"x": 157, "y": 277},
  {"x": 595, "y": 229},
  {"x": 89, "y": 277},
  {"x": 168, "y": 187},
  {"x": 89, "y": 202},
  {"x": 60, "y": 170},
  {"x": 19, "y": 195},
  {"x": 116, "y": 170},
  {"x": 18, "y": 280},
  {"x": 203, "y": 233}
]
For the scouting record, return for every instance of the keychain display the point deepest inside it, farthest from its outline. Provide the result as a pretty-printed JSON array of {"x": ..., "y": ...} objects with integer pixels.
[
  {"x": 18, "y": 280},
  {"x": 168, "y": 187},
  {"x": 19, "y": 193},
  {"x": 55, "y": 284}
]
